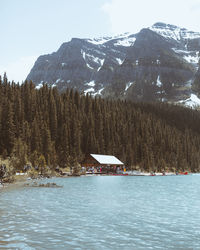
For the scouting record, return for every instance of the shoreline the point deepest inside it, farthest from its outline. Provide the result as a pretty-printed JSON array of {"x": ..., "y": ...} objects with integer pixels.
[
  {"x": 11, "y": 186},
  {"x": 23, "y": 180}
]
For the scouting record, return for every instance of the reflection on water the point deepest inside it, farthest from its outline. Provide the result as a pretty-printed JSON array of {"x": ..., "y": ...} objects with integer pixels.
[{"x": 103, "y": 212}]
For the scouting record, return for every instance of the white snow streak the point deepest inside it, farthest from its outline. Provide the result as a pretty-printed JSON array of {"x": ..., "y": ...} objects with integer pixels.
[
  {"x": 158, "y": 83},
  {"x": 89, "y": 66},
  {"x": 101, "y": 64},
  {"x": 128, "y": 85},
  {"x": 180, "y": 51},
  {"x": 120, "y": 61},
  {"x": 83, "y": 53}
]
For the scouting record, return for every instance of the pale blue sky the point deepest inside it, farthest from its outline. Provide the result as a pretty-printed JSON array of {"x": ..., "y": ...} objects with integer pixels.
[{"x": 30, "y": 28}]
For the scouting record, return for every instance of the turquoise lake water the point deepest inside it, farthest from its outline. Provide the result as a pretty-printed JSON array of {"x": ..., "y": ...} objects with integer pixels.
[{"x": 103, "y": 212}]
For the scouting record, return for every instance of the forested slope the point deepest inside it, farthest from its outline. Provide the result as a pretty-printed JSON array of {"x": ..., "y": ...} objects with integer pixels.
[{"x": 63, "y": 127}]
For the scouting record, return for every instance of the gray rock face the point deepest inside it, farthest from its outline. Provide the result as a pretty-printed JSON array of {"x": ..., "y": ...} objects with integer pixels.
[{"x": 158, "y": 63}]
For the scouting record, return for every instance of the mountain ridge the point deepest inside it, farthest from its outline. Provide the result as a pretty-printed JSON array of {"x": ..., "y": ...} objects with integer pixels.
[{"x": 159, "y": 63}]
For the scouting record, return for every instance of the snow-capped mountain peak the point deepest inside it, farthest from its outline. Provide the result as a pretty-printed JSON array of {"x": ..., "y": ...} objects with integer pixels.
[
  {"x": 173, "y": 32},
  {"x": 159, "y": 63}
]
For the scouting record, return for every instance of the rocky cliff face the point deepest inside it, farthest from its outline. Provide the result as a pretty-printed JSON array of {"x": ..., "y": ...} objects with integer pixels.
[{"x": 159, "y": 63}]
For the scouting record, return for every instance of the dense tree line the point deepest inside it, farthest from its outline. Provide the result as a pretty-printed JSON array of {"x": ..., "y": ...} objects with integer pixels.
[{"x": 43, "y": 125}]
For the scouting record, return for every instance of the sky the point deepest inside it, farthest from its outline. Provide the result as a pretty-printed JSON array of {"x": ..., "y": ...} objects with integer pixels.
[{"x": 30, "y": 28}]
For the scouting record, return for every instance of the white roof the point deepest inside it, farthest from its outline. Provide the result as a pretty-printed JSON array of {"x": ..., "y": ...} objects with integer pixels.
[{"x": 107, "y": 159}]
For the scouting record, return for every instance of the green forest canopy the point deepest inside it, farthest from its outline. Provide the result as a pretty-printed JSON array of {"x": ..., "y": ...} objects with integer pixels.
[{"x": 64, "y": 127}]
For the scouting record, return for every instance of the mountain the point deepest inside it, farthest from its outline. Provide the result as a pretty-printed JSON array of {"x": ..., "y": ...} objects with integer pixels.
[
  {"x": 160, "y": 63},
  {"x": 82, "y": 63}
]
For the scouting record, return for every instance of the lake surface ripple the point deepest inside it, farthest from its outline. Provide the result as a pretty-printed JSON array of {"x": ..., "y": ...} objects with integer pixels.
[{"x": 103, "y": 212}]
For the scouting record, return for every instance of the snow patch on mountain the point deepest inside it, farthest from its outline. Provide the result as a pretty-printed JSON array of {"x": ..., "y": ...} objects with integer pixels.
[
  {"x": 127, "y": 42},
  {"x": 102, "y": 40},
  {"x": 91, "y": 84},
  {"x": 167, "y": 32},
  {"x": 99, "y": 41},
  {"x": 98, "y": 92},
  {"x": 191, "y": 59},
  {"x": 158, "y": 82},
  {"x": 157, "y": 61},
  {"x": 120, "y": 61},
  {"x": 191, "y": 102},
  {"x": 186, "y": 34},
  {"x": 83, "y": 54},
  {"x": 91, "y": 58},
  {"x": 101, "y": 63},
  {"x": 89, "y": 90},
  {"x": 173, "y": 32},
  {"x": 189, "y": 56}
]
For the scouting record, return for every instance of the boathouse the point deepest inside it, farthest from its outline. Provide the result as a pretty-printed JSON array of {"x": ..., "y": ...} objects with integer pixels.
[{"x": 96, "y": 163}]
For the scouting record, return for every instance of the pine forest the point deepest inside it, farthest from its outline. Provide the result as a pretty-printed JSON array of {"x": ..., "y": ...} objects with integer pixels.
[{"x": 64, "y": 127}]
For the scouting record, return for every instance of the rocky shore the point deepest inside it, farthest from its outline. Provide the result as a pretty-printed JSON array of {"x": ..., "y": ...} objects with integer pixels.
[
  {"x": 24, "y": 181},
  {"x": 46, "y": 185}
]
